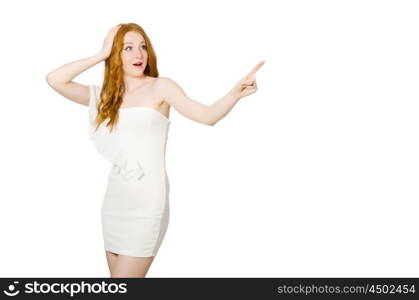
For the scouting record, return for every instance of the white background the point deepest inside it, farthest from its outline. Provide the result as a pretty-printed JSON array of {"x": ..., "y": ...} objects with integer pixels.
[{"x": 316, "y": 174}]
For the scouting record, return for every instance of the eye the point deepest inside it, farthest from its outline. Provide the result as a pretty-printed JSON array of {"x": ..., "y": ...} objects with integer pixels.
[{"x": 144, "y": 47}]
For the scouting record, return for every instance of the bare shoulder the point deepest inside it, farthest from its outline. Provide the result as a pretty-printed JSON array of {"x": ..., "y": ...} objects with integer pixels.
[
  {"x": 163, "y": 86},
  {"x": 160, "y": 90},
  {"x": 163, "y": 82}
]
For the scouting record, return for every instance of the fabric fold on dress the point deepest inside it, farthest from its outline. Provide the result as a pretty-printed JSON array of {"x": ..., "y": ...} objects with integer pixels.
[{"x": 129, "y": 167}]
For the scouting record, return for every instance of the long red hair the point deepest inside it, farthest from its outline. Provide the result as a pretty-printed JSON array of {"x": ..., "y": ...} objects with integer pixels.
[{"x": 113, "y": 84}]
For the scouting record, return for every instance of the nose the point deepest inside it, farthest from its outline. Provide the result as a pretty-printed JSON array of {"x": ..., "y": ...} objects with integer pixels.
[{"x": 139, "y": 53}]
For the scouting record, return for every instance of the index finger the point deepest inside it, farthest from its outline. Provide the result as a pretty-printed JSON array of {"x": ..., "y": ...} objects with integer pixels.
[{"x": 256, "y": 68}]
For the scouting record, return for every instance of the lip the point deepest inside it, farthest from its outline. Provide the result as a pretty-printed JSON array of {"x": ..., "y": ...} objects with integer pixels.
[{"x": 138, "y": 67}]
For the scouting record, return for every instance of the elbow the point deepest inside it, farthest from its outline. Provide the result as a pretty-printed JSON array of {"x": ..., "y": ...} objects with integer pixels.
[
  {"x": 209, "y": 117},
  {"x": 52, "y": 79},
  {"x": 49, "y": 79},
  {"x": 211, "y": 123}
]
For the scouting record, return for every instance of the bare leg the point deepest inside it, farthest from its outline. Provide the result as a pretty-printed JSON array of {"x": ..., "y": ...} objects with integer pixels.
[
  {"x": 130, "y": 266},
  {"x": 111, "y": 258}
]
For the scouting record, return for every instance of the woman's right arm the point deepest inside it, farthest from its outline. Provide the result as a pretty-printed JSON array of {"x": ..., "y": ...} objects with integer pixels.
[{"x": 61, "y": 78}]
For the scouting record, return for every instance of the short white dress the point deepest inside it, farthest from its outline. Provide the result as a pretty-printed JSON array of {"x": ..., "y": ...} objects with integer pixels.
[{"x": 135, "y": 208}]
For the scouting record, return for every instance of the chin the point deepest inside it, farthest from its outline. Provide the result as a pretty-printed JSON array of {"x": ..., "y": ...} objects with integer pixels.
[{"x": 136, "y": 74}]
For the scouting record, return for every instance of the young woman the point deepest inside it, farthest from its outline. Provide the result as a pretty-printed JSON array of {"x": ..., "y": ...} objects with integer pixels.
[{"x": 129, "y": 124}]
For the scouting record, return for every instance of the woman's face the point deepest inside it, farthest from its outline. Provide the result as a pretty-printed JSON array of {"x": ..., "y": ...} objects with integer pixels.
[{"x": 134, "y": 51}]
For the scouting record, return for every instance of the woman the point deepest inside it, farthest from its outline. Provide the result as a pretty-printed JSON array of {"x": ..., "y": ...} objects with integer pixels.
[{"x": 129, "y": 123}]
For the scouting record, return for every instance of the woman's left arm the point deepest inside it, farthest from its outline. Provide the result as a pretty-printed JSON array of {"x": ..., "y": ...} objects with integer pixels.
[{"x": 174, "y": 95}]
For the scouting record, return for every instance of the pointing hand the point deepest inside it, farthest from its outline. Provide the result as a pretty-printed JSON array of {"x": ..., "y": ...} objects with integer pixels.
[{"x": 247, "y": 85}]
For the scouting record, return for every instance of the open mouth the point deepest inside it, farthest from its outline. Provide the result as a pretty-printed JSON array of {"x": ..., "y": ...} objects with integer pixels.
[{"x": 138, "y": 64}]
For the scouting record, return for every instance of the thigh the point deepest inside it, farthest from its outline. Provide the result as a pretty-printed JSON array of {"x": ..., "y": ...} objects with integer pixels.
[
  {"x": 111, "y": 258},
  {"x": 131, "y": 266}
]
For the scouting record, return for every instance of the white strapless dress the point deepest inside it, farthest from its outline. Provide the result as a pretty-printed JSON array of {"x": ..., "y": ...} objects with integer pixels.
[{"x": 135, "y": 208}]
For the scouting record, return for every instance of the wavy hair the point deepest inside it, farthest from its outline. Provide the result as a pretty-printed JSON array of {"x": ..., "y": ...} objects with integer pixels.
[{"x": 113, "y": 84}]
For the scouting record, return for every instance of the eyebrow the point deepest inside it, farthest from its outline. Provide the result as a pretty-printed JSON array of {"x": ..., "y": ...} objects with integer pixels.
[{"x": 132, "y": 43}]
